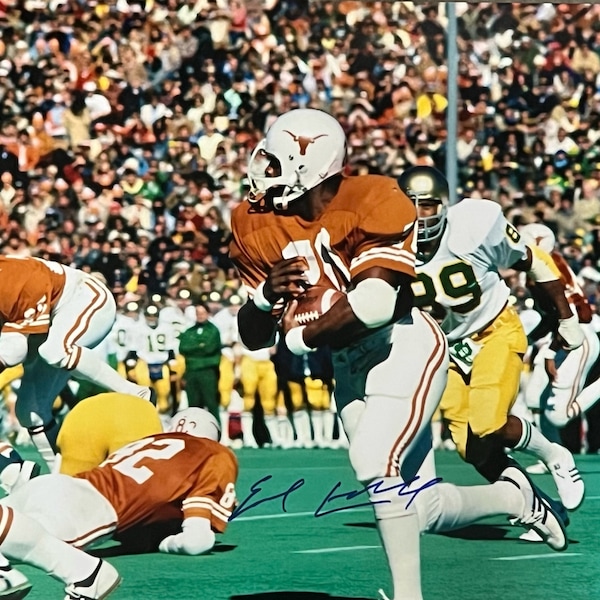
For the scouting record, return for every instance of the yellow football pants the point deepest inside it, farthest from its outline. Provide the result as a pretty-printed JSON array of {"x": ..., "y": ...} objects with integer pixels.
[
  {"x": 484, "y": 399},
  {"x": 259, "y": 376},
  {"x": 226, "y": 381}
]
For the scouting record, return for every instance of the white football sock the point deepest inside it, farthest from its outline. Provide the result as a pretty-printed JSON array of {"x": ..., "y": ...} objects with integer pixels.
[
  {"x": 317, "y": 422},
  {"x": 248, "y": 435},
  {"x": 535, "y": 442},
  {"x": 26, "y": 540},
  {"x": 445, "y": 506},
  {"x": 303, "y": 431},
  {"x": 328, "y": 422},
  {"x": 398, "y": 527},
  {"x": 90, "y": 367},
  {"x": 273, "y": 429},
  {"x": 286, "y": 431},
  {"x": 224, "y": 418},
  {"x": 44, "y": 439}
]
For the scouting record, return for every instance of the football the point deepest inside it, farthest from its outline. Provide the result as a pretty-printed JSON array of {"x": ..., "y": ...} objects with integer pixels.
[{"x": 315, "y": 302}]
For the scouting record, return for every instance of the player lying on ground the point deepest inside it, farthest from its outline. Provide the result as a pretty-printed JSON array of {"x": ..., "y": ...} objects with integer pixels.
[{"x": 184, "y": 474}]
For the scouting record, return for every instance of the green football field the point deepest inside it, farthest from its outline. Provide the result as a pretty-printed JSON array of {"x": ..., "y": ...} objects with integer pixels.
[{"x": 278, "y": 549}]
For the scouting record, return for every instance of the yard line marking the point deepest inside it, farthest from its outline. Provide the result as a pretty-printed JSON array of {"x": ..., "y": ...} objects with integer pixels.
[
  {"x": 340, "y": 549},
  {"x": 310, "y": 513},
  {"x": 535, "y": 556}
]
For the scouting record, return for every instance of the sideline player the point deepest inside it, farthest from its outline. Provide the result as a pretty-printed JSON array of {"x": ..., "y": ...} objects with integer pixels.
[
  {"x": 307, "y": 224},
  {"x": 184, "y": 474},
  {"x": 460, "y": 251},
  {"x": 52, "y": 317}
]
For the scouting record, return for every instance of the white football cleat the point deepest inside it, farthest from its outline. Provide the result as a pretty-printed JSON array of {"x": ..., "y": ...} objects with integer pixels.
[
  {"x": 538, "y": 468},
  {"x": 13, "y": 584},
  {"x": 99, "y": 585},
  {"x": 537, "y": 514},
  {"x": 15, "y": 475},
  {"x": 531, "y": 536},
  {"x": 567, "y": 479}
]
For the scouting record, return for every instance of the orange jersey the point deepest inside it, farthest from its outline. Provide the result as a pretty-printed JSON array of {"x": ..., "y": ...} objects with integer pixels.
[
  {"x": 31, "y": 288},
  {"x": 168, "y": 476},
  {"x": 368, "y": 223},
  {"x": 573, "y": 291}
]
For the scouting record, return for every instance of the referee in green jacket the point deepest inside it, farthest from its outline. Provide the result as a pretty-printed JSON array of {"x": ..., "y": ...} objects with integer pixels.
[{"x": 200, "y": 346}]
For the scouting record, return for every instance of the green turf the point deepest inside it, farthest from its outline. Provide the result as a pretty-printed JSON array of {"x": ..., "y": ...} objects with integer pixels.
[{"x": 269, "y": 554}]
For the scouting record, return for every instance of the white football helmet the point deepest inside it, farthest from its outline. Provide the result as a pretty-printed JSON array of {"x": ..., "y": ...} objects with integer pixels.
[
  {"x": 422, "y": 183},
  {"x": 197, "y": 422},
  {"x": 538, "y": 234},
  {"x": 304, "y": 147}
]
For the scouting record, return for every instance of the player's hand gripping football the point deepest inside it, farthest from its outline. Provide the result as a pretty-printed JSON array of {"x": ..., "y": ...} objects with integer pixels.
[{"x": 287, "y": 279}]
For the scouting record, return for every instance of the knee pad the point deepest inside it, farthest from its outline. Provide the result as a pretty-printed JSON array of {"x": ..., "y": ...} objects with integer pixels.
[
  {"x": 57, "y": 356},
  {"x": 486, "y": 454},
  {"x": 13, "y": 348},
  {"x": 368, "y": 466}
]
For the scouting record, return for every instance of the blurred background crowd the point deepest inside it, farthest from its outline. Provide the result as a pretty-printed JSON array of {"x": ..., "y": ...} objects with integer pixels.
[{"x": 125, "y": 125}]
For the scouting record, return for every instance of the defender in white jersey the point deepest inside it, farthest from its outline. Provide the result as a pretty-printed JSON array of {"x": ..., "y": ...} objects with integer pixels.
[
  {"x": 231, "y": 353},
  {"x": 461, "y": 249},
  {"x": 156, "y": 349},
  {"x": 178, "y": 313},
  {"x": 123, "y": 335}
]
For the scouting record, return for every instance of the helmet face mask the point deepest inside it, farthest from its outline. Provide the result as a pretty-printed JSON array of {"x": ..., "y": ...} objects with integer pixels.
[
  {"x": 426, "y": 186},
  {"x": 302, "y": 148}
]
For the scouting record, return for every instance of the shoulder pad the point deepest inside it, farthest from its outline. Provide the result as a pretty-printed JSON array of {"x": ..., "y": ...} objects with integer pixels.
[{"x": 469, "y": 223}]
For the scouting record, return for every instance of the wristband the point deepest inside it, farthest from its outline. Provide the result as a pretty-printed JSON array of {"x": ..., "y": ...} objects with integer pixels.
[
  {"x": 571, "y": 332},
  {"x": 259, "y": 298},
  {"x": 294, "y": 340}
]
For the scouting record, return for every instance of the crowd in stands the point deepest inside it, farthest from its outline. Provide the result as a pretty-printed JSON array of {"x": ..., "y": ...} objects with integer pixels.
[{"x": 126, "y": 125}]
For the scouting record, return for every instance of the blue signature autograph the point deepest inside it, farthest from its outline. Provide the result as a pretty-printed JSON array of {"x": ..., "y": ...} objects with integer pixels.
[{"x": 403, "y": 489}]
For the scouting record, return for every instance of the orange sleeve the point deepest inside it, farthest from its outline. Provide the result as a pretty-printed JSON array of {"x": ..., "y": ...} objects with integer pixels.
[
  {"x": 385, "y": 234},
  {"x": 213, "y": 497}
]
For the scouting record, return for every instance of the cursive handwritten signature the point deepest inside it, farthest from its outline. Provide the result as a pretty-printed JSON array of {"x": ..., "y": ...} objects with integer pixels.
[{"x": 331, "y": 502}]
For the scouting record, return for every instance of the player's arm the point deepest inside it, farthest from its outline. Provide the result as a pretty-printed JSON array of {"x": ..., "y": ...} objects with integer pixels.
[
  {"x": 196, "y": 537},
  {"x": 207, "y": 508},
  {"x": 257, "y": 322},
  {"x": 541, "y": 269},
  {"x": 377, "y": 296}
]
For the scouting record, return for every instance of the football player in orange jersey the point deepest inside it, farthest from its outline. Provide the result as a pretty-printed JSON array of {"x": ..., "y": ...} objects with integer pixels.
[
  {"x": 52, "y": 316},
  {"x": 183, "y": 475},
  {"x": 568, "y": 398},
  {"x": 305, "y": 224}
]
